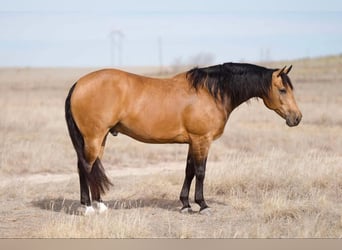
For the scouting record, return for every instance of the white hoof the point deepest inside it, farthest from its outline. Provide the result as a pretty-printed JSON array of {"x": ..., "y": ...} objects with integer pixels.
[
  {"x": 86, "y": 210},
  {"x": 100, "y": 207},
  {"x": 186, "y": 210},
  {"x": 206, "y": 211}
]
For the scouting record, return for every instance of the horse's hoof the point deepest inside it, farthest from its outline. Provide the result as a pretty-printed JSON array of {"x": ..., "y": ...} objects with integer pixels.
[
  {"x": 186, "y": 210},
  {"x": 100, "y": 207},
  {"x": 205, "y": 211},
  {"x": 86, "y": 210}
]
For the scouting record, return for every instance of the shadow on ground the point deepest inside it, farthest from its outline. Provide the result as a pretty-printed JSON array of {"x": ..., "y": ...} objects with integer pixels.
[{"x": 72, "y": 207}]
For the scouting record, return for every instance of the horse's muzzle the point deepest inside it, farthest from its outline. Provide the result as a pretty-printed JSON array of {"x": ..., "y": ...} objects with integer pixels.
[{"x": 293, "y": 119}]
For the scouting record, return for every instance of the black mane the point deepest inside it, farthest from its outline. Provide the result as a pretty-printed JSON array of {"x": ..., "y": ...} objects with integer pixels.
[{"x": 236, "y": 81}]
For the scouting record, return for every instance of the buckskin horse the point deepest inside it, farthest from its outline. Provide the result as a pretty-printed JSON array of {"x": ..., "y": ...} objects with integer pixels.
[{"x": 191, "y": 107}]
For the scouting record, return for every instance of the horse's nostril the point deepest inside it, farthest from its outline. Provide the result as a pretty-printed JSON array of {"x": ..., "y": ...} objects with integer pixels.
[{"x": 298, "y": 119}]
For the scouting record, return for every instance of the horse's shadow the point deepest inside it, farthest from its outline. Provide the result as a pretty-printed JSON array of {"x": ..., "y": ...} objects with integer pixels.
[{"x": 72, "y": 207}]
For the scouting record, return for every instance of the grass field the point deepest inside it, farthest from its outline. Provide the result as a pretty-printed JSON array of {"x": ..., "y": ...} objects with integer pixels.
[{"x": 264, "y": 179}]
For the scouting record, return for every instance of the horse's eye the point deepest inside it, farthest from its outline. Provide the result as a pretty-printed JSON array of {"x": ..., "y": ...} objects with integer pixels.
[{"x": 282, "y": 91}]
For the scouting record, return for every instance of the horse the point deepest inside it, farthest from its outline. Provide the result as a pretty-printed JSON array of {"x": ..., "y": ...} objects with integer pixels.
[{"x": 192, "y": 107}]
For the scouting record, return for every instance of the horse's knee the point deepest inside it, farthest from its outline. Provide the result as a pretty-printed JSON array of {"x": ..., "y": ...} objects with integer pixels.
[{"x": 200, "y": 174}]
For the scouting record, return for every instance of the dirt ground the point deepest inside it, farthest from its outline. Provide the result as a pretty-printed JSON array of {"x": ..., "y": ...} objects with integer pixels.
[{"x": 264, "y": 179}]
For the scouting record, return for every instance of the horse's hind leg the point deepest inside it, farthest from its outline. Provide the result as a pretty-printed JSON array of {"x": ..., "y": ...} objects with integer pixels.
[
  {"x": 84, "y": 173},
  {"x": 98, "y": 180},
  {"x": 92, "y": 149},
  {"x": 85, "y": 198},
  {"x": 84, "y": 187},
  {"x": 96, "y": 188}
]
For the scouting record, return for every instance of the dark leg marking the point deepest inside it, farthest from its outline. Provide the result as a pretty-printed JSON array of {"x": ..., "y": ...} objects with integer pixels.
[
  {"x": 189, "y": 175},
  {"x": 200, "y": 167}
]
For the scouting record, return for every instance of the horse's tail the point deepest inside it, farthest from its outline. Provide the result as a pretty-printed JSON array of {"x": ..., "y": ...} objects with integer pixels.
[
  {"x": 97, "y": 178},
  {"x": 74, "y": 132}
]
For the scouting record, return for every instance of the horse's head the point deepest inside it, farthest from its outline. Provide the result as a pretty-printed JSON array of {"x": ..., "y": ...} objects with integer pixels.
[{"x": 281, "y": 98}]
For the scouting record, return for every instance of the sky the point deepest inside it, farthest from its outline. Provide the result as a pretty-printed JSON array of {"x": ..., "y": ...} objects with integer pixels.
[{"x": 81, "y": 33}]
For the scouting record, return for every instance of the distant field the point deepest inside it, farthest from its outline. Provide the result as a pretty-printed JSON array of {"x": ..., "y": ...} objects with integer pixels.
[{"x": 264, "y": 179}]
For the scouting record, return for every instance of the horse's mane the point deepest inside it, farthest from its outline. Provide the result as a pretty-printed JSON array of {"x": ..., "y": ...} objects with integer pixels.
[{"x": 237, "y": 81}]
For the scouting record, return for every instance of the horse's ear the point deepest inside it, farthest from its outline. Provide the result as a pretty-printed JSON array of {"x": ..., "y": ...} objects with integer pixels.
[
  {"x": 288, "y": 70},
  {"x": 280, "y": 71}
]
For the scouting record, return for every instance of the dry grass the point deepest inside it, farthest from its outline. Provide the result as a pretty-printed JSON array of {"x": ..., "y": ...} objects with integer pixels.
[{"x": 264, "y": 180}]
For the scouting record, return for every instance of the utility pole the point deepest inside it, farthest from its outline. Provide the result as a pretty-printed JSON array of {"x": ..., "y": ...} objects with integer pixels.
[
  {"x": 160, "y": 54},
  {"x": 116, "y": 37}
]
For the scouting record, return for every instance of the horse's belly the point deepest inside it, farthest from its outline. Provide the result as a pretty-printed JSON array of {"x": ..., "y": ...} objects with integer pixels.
[{"x": 153, "y": 132}]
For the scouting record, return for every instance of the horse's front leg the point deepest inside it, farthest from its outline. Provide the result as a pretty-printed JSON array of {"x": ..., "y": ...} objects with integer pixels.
[
  {"x": 200, "y": 167},
  {"x": 199, "y": 151},
  {"x": 189, "y": 175}
]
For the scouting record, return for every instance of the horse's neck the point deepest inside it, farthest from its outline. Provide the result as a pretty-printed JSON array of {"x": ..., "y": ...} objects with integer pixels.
[{"x": 242, "y": 96}]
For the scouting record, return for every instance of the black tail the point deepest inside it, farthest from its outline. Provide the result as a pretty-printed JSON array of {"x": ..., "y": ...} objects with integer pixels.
[
  {"x": 74, "y": 132},
  {"x": 97, "y": 179}
]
